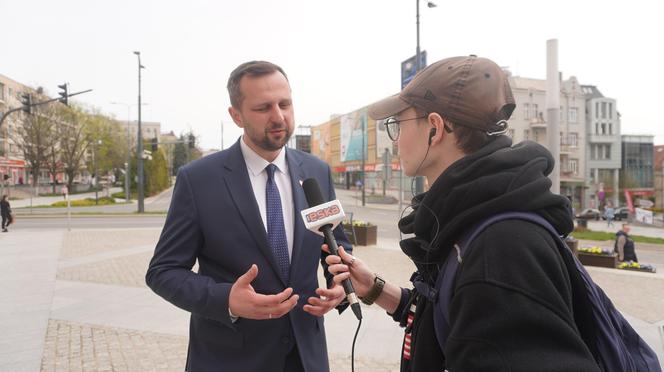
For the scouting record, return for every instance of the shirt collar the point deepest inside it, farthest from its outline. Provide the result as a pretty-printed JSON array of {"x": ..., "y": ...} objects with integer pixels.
[{"x": 256, "y": 164}]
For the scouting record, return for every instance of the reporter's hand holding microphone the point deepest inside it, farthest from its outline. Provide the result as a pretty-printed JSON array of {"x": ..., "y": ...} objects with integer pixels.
[
  {"x": 368, "y": 286},
  {"x": 345, "y": 266}
]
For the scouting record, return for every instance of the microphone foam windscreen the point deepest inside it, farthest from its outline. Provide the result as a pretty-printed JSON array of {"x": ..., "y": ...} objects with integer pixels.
[{"x": 312, "y": 192}]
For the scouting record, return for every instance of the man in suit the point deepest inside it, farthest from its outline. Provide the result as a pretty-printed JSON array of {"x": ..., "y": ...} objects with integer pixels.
[{"x": 237, "y": 212}]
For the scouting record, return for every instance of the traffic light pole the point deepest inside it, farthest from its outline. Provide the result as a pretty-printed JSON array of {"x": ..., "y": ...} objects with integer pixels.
[{"x": 24, "y": 107}]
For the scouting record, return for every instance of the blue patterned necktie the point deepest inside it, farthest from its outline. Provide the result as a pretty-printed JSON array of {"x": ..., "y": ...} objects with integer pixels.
[{"x": 276, "y": 232}]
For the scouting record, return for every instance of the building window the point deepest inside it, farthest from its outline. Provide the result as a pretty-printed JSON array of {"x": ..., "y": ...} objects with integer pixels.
[
  {"x": 603, "y": 110},
  {"x": 573, "y": 166},
  {"x": 607, "y": 148},
  {"x": 2, "y": 92},
  {"x": 596, "y": 110},
  {"x": 526, "y": 111},
  {"x": 573, "y": 112},
  {"x": 603, "y": 128},
  {"x": 562, "y": 119},
  {"x": 596, "y": 128},
  {"x": 611, "y": 128},
  {"x": 535, "y": 111},
  {"x": 610, "y": 110},
  {"x": 526, "y": 134},
  {"x": 573, "y": 139},
  {"x": 510, "y": 133}
]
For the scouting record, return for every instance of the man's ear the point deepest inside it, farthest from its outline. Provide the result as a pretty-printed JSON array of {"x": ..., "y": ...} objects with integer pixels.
[
  {"x": 437, "y": 125},
  {"x": 235, "y": 115}
]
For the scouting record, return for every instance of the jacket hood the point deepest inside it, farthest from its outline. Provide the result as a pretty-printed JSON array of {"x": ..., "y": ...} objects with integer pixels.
[{"x": 497, "y": 178}]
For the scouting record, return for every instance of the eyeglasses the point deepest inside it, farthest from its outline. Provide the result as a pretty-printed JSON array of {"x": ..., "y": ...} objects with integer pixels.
[{"x": 392, "y": 126}]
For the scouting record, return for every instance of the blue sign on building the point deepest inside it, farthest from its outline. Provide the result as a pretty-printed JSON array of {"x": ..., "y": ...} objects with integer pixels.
[{"x": 409, "y": 68}]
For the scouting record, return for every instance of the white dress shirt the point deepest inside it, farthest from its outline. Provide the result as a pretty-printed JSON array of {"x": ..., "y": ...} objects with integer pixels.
[{"x": 258, "y": 177}]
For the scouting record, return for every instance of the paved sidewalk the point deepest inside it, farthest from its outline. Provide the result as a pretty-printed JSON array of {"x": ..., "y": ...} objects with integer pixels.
[{"x": 76, "y": 301}]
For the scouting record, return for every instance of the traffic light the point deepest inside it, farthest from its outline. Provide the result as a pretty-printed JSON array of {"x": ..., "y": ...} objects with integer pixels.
[
  {"x": 155, "y": 144},
  {"x": 192, "y": 141},
  {"x": 26, "y": 100},
  {"x": 64, "y": 95}
]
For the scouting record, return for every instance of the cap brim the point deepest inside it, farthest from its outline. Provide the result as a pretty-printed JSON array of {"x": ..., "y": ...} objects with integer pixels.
[{"x": 387, "y": 107}]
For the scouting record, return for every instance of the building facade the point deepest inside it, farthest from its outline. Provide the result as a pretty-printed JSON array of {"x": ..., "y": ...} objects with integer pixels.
[
  {"x": 637, "y": 163},
  {"x": 528, "y": 122},
  {"x": 12, "y": 164},
  {"x": 603, "y": 151}
]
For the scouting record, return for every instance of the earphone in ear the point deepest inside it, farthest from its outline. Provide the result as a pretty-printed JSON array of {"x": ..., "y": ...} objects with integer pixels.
[{"x": 432, "y": 133}]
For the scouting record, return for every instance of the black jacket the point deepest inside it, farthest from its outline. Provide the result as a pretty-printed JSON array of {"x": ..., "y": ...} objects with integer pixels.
[
  {"x": 5, "y": 209},
  {"x": 512, "y": 308}
]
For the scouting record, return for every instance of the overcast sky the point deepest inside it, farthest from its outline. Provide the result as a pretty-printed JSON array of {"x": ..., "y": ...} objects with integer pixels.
[{"x": 340, "y": 55}]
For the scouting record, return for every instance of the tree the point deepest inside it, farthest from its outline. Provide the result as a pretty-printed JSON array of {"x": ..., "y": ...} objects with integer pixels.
[
  {"x": 185, "y": 151},
  {"x": 73, "y": 141},
  {"x": 156, "y": 173},
  {"x": 36, "y": 138}
]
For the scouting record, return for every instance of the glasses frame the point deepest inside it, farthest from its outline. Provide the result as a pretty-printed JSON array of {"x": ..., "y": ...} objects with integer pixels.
[{"x": 394, "y": 123}]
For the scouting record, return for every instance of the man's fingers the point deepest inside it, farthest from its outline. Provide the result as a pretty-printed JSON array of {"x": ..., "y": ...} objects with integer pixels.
[
  {"x": 325, "y": 248},
  {"x": 249, "y": 276},
  {"x": 283, "y": 308},
  {"x": 272, "y": 300}
]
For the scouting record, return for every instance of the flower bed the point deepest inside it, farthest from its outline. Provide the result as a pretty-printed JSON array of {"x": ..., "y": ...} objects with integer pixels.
[
  {"x": 361, "y": 233},
  {"x": 636, "y": 267},
  {"x": 596, "y": 256}
]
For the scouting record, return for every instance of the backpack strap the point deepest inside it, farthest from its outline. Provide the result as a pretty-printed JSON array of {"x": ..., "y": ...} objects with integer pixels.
[{"x": 447, "y": 274}]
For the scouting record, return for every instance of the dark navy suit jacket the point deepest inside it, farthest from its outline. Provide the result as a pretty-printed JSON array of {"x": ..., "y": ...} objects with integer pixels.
[{"x": 214, "y": 218}]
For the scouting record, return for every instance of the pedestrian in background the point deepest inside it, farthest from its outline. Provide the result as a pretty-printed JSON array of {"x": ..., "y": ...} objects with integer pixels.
[
  {"x": 624, "y": 245},
  {"x": 609, "y": 214},
  {"x": 6, "y": 211}
]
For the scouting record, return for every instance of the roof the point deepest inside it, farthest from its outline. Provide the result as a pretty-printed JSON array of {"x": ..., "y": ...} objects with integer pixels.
[
  {"x": 518, "y": 82},
  {"x": 591, "y": 92}
]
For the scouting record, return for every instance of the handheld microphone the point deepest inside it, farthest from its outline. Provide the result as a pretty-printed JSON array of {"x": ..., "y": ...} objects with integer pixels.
[{"x": 321, "y": 218}]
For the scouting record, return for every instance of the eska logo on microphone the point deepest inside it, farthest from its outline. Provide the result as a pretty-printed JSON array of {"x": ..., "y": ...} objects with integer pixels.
[{"x": 323, "y": 213}]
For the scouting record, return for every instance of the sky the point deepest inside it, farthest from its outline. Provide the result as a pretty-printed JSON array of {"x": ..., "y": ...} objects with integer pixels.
[{"x": 339, "y": 55}]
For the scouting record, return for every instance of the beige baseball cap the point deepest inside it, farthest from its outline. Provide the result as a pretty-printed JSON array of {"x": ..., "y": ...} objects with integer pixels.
[{"x": 470, "y": 91}]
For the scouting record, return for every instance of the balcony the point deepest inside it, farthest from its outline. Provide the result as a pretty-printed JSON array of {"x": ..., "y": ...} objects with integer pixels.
[
  {"x": 603, "y": 138},
  {"x": 538, "y": 122}
]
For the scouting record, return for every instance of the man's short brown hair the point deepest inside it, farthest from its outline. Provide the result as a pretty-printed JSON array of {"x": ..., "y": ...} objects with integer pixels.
[{"x": 251, "y": 68}]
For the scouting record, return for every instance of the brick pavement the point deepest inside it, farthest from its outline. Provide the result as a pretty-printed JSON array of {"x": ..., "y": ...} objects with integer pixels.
[{"x": 118, "y": 258}]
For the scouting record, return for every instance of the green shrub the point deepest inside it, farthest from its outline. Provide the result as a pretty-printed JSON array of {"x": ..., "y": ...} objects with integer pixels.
[{"x": 87, "y": 202}]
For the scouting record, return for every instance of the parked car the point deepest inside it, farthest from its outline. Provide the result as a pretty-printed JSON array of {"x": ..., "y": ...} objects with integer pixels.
[
  {"x": 589, "y": 214},
  {"x": 622, "y": 213}
]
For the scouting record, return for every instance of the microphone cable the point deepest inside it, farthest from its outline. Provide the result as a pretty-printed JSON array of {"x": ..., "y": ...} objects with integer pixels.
[{"x": 352, "y": 351}]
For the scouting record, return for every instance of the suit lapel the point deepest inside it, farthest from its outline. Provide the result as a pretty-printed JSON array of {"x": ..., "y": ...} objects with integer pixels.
[
  {"x": 300, "y": 203},
  {"x": 238, "y": 184}
]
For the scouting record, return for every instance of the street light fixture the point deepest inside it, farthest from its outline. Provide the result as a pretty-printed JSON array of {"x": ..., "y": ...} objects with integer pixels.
[{"x": 139, "y": 145}]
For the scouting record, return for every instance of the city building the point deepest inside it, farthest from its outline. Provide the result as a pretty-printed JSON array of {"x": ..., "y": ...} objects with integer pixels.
[
  {"x": 603, "y": 151},
  {"x": 637, "y": 178},
  {"x": 12, "y": 163},
  {"x": 149, "y": 129},
  {"x": 658, "y": 173},
  {"x": 340, "y": 141},
  {"x": 528, "y": 122}
]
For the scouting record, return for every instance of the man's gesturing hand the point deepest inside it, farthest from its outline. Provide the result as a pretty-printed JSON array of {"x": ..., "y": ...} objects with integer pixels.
[{"x": 244, "y": 302}]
